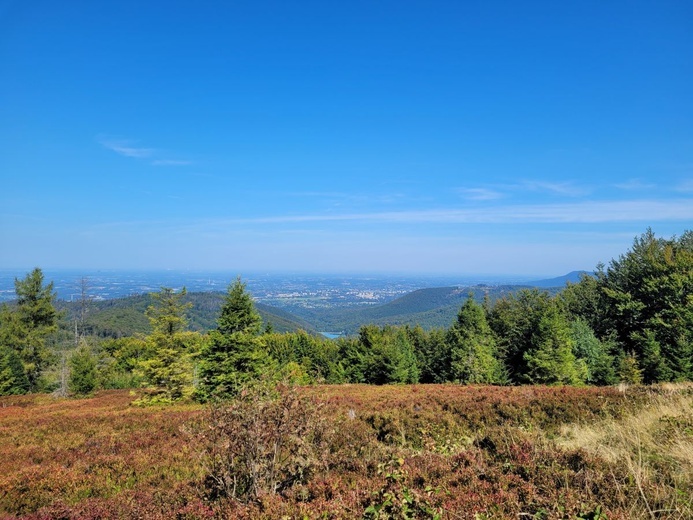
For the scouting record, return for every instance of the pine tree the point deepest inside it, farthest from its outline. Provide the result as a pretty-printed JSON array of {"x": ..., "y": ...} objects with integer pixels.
[
  {"x": 514, "y": 321},
  {"x": 653, "y": 364},
  {"x": 388, "y": 354},
  {"x": 629, "y": 369}
]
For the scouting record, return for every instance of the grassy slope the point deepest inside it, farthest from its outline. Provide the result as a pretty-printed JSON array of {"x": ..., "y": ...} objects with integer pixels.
[{"x": 490, "y": 451}]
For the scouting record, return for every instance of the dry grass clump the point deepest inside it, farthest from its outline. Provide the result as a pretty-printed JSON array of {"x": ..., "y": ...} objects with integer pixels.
[{"x": 655, "y": 446}]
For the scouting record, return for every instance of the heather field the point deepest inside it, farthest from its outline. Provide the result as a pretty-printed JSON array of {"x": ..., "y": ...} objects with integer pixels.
[{"x": 354, "y": 451}]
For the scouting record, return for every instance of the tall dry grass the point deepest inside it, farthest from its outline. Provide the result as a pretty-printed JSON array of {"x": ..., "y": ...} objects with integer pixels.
[{"x": 653, "y": 444}]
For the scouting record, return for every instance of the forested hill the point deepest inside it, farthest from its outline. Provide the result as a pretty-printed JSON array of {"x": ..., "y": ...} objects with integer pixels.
[
  {"x": 430, "y": 308},
  {"x": 560, "y": 281},
  {"x": 123, "y": 317}
]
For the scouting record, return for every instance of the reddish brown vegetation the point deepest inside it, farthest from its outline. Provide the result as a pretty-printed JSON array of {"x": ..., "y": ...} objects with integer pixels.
[{"x": 387, "y": 452}]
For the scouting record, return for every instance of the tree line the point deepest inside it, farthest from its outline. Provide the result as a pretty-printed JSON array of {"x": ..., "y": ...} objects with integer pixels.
[{"x": 630, "y": 322}]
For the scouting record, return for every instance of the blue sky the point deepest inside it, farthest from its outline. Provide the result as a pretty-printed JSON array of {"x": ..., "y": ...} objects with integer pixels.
[{"x": 453, "y": 137}]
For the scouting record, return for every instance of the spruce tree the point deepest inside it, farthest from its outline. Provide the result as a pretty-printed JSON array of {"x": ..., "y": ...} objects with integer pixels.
[
  {"x": 472, "y": 347},
  {"x": 82, "y": 378},
  {"x": 551, "y": 359},
  {"x": 234, "y": 353},
  {"x": 168, "y": 373},
  {"x": 26, "y": 328},
  {"x": 649, "y": 296},
  {"x": 594, "y": 353},
  {"x": 13, "y": 380}
]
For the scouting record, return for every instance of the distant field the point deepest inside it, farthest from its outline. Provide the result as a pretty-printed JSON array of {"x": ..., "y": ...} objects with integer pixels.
[{"x": 423, "y": 450}]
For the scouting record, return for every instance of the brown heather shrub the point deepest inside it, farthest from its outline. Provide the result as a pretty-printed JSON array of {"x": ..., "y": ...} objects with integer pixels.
[
  {"x": 326, "y": 452},
  {"x": 265, "y": 441}
]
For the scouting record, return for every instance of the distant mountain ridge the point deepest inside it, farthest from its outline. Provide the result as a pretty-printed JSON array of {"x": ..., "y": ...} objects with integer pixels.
[
  {"x": 430, "y": 308},
  {"x": 560, "y": 281},
  {"x": 435, "y": 307}
]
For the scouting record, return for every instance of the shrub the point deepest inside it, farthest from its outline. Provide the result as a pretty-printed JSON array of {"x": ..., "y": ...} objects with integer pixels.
[{"x": 264, "y": 441}]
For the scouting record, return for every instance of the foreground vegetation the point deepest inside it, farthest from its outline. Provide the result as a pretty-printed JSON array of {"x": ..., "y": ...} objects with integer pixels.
[
  {"x": 353, "y": 451},
  {"x": 253, "y": 431}
]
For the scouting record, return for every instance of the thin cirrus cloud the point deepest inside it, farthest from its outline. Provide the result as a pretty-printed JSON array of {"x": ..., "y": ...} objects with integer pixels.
[
  {"x": 499, "y": 191},
  {"x": 480, "y": 193},
  {"x": 635, "y": 185},
  {"x": 558, "y": 188},
  {"x": 170, "y": 162},
  {"x": 588, "y": 212},
  {"x": 127, "y": 148}
]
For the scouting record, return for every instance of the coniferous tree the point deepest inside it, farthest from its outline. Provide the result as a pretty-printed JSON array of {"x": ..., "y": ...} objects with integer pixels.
[
  {"x": 389, "y": 356},
  {"x": 26, "y": 328},
  {"x": 472, "y": 347},
  {"x": 551, "y": 359},
  {"x": 168, "y": 373},
  {"x": 514, "y": 321},
  {"x": 13, "y": 380},
  {"x": 353, "y": 359},
  {"x": 629, "y": 369},
  {"x": 594, "y": 353},
  {"x": 649, "y": 294},
  {"x": 432, "y": 354},
  {"x": 83, "y": 374},
  {"x": 234, "y": 353}
]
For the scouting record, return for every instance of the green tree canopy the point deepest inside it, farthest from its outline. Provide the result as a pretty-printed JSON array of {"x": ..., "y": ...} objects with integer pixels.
[
  {"x": 550, "y": 360},
  {"x": 26, "y": 327},
  {"x": 168, "y": 373},
  {"x": 649, "y": 295},
  {"x": 234, "y": 353},
  {"x": 13, "y": 378},
  {"x": 238, "y": 312},
  {"x": 83, "y": 373},
  {"x": 473, "y": 347}
]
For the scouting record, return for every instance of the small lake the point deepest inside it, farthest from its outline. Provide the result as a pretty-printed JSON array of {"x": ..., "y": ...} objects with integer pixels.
[{"x": 332, "y": 335}]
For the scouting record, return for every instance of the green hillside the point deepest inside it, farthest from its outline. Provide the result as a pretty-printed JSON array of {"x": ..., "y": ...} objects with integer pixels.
[
  {"x": 430, "y": 308},
  {"x": 122, "y": 317}
]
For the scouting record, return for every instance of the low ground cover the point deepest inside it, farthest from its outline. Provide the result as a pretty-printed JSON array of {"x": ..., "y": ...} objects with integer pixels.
[{"x": 418, "y": 451}]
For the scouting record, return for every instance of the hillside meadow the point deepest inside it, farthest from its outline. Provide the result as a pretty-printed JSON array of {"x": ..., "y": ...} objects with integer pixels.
[{"x": 353, "y": 451}]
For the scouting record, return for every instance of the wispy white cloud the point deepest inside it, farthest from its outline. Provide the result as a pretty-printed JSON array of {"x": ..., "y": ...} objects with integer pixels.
[
  {"x": 588, "y": 212},
  {"x": 126, "y": 148},
  {"x": 171, "y": 162},
  {"x": 342, "y": 198},
  {"x": 635, "y": 185},
  {"x": 557, "y": 188},
  {"x": 480, "y": 193}
]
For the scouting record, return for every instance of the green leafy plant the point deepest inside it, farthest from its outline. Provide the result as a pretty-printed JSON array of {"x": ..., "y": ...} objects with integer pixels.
[{"x": 396, "y": 500}]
